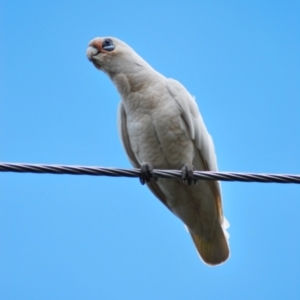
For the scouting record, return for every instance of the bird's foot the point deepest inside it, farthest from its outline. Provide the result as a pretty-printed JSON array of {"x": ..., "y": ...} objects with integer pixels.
[
  {"x": 187, "y": 174},
  {"x": 146, "y": 173}
]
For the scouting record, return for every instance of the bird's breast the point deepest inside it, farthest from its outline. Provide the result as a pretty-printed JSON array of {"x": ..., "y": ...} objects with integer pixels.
[{"x": 157, "y": 131}]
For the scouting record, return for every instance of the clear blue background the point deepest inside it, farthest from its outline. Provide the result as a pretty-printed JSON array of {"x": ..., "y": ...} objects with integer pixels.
[{"x": 81, "y": 237}]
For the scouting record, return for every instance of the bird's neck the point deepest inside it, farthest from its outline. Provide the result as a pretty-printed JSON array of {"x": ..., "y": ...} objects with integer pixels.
[{"x": 136, "y": 79}]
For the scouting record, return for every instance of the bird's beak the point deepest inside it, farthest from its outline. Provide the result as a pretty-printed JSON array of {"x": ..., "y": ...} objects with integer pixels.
[{"x": 95, "y": 47}]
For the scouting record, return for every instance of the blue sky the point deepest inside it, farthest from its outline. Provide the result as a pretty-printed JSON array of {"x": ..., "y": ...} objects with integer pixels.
[{"x": 68, "y": 237}]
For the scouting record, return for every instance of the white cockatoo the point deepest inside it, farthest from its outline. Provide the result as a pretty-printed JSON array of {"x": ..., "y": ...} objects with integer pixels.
[{"x": 161, "y": 127}]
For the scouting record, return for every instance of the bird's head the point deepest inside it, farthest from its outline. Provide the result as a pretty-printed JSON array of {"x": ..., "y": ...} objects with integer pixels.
[{"x": 112, "y": 55}]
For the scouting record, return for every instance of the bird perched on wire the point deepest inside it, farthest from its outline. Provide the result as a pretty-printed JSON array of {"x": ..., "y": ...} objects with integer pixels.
[{"x": 161, "y": 127}]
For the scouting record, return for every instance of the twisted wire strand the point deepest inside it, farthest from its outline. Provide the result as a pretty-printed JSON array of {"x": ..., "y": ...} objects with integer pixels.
[{"x": 114, "y": 172}]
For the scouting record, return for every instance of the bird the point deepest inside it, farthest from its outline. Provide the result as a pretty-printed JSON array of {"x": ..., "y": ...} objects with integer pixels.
[{"x": 161, "y": 127}]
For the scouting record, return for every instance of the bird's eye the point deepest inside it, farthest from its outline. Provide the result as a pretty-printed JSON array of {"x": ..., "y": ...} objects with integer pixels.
[{"x": 108, "y": 45}]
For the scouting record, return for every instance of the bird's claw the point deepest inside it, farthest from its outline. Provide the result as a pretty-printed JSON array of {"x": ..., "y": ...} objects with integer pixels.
[
  {"x": 146, "y": 173},
  {"x": 187, "y": 174}
]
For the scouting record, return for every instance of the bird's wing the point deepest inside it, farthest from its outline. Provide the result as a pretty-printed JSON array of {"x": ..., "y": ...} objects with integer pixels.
[
  {"x": 205, "y": 157},
  {"x": 122, "y": 128},
  {"x": 215, "y": 251}
]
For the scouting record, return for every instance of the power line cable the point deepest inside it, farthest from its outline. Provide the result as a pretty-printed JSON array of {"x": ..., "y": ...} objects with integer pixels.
[{"x": 115, "y": 172}]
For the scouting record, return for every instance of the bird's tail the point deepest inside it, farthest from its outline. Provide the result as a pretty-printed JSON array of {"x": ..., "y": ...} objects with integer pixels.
[{"x": 216, "y": 251}]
